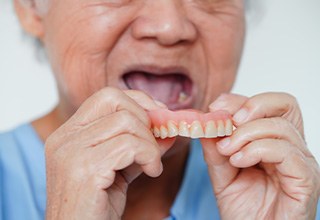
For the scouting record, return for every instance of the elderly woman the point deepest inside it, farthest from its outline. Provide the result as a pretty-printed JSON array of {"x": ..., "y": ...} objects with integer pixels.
[{"x": 117, "y": 61}]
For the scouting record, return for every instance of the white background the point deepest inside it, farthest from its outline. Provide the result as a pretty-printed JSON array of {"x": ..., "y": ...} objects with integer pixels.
[{"x": 282, "y": 54}]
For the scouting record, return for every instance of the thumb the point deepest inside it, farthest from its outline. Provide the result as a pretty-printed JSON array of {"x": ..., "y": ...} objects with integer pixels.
[{"x": 221, "y": 172}]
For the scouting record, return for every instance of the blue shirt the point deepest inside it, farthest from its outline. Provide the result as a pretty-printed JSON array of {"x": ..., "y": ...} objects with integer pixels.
[{"x": 23, "y": 186}]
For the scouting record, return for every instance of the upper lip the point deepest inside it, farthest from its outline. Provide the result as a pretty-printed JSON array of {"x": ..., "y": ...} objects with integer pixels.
[{"x": 157, "y": 70}]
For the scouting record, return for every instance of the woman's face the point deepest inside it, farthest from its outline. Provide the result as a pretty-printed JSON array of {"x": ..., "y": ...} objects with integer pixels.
[{"x": 181, "y": 52}]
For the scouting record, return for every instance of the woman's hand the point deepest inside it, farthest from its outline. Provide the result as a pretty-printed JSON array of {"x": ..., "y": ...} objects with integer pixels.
[
  {"x": 93, "y": 157},
  {"x": 264, "y": 170}
]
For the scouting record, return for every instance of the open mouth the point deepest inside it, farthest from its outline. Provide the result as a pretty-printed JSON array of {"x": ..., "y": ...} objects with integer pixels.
[{"x": 175, "y": 89}]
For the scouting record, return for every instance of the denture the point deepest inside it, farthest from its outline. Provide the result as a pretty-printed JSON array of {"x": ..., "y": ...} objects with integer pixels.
[{"x": 190, "y": 123}]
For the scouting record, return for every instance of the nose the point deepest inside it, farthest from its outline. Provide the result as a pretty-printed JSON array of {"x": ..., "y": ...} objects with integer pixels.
[{"x": 164, "y": 21}]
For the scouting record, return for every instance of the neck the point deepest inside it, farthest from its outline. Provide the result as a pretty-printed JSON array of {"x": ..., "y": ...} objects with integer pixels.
[{"x": 46, "y": 125}]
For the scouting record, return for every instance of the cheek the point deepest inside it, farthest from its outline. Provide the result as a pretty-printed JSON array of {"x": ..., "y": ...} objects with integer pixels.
[
  {"x": 78, "y": 42},
  {"x": 222, "y": 37}
]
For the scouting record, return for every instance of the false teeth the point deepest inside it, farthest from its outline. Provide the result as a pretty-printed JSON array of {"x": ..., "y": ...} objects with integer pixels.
[
  {"x": 156, "y": 132},
  {"x": 183, "y": 129},
  {"x": 190, "y": 122},
  {"x": 196, "y": 130},
  {"x": 172, "y": 129},
  {"x": 211, "y": 130},
  {"x": 229, "y": 127},
  {"x": 221, "y": 129},
  {"x": 163, "y": 132}
]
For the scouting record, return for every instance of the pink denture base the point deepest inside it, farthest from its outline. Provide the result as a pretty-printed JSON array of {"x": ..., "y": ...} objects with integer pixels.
[{"x": 162, "y": 116}]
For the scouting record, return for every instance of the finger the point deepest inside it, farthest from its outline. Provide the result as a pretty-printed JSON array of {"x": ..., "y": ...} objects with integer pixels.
[
  {"x": 221, "y": 172},
  {"x": 111, "y": 126},
  {"x": 268, "y": 105},
  {"x": 134, "y": 170},
  {"x": 271, "y": 128},
  {"x": 288, "y": 160},
  {"x": 99, "y": 205},
  {"x": 228, "y": 102},
  {"x": 129, "y": 150},
  {"x": 105, "y": 102}
]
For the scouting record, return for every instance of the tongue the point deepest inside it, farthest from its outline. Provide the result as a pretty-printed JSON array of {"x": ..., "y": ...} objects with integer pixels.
[{"x": 164, "y": 88}]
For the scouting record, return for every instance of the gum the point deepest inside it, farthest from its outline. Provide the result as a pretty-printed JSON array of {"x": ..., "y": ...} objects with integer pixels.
[{"x": 162, "y": 116}]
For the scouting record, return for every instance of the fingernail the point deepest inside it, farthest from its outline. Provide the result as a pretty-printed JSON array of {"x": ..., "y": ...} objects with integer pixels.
[
  {"x": 224, "y": 143},
  {"x": 241, "y": 115},
  {"x": 237, "y": 156},
  {"x": 160, "y": 104}
]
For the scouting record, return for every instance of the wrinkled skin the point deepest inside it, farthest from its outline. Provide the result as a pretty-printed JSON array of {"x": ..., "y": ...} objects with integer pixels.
[
  {"x": 88, "y": 150},
  {"x": 100, "y": 149},
  {"x": 264, "y": 170}
]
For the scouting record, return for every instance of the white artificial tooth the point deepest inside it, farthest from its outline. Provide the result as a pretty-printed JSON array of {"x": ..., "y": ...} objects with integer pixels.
[
  {"x": 156, "y": 132},
  {"x": 196, "y": 130},
  {"x": 229, "y": 127},
  {"x": 172, "y": 129},
  {"x": 221, "y": 129},
  {"x": 163, "y": 132},
  {"x": 211, "y": 130},
  {"x": 183, "y": 129},
  {"x": 182, "y": 97}
]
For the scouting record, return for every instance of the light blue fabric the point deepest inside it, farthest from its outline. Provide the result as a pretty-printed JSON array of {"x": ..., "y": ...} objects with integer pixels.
[
  {"x": 195, "y": 199},
  {"x": 22, "y": 181},
  {"x": 22, "y": 175}
]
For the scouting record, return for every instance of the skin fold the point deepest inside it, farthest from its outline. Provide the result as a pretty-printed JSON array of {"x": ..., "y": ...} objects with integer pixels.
[{"x": 100, "y": 152}]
